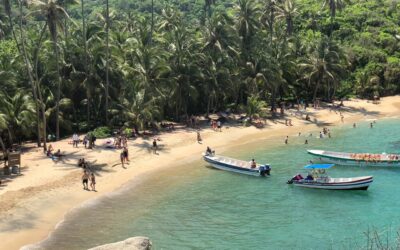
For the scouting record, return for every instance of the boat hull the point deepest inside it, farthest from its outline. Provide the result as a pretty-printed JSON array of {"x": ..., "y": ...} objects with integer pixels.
[
  {"x": 360, "y": 183},
  {"x": 232, "y": 168},
  {"x": 345, "y": 161}
]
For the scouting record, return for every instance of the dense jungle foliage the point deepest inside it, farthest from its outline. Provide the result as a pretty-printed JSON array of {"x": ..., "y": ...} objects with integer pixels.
[{"x": 69, "y": 65}]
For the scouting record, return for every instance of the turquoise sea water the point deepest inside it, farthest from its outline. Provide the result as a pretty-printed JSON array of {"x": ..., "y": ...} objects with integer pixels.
[{"x": 196, "y": 207}]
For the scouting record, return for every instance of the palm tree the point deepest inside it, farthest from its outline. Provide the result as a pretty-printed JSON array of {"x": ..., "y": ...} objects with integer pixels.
[
  {"x": 54, "y": 15},
  {"x": 18, "y": 112},
  {"x": 152, "y": 21},
  {"x": 268, "y": 16},
  {"x": 207, "y": 7},
  {"x": 254, "y": 107},
  {"x": 3, "y": 126},
  {"x": 325, "y": 64},
  {"x": 246, "y": 22},
  {"x": 85, "y": 51},
  {"x": 140, "y": 109},
  {"x": 287, "y": 11},
  {"x": 22, "y": 52},
  {"x": 335, "y": 5},
  {"x": 107, "y": 56}
]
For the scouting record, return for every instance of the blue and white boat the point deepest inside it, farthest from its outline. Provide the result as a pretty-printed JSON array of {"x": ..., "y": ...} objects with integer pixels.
[
  {"x": 317, "y": 178},
  {"x": 237, "y": 166}
]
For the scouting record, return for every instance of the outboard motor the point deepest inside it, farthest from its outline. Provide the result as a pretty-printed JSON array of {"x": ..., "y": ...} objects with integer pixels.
[{"x": 265, "y": 170}]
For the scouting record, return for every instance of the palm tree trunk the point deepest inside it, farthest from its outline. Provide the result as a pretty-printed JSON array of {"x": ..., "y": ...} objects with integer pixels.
[
  {"x": 315, "y": 92},
  {"x": 152, "y": 21},
  {"x": 42, "y": 105},
  {"x": 107, "y": 56},
  {"x": 22, "y": 51},
  {"x": 85, "y": 58},
  {"x": 58, "y": 89},
  {"x": 10, "y": 137},
  {"x": 3, "y": 147}
]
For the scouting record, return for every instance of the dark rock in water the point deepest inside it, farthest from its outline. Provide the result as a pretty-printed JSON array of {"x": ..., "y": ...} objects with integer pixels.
[{"x": 134, "y": 243}]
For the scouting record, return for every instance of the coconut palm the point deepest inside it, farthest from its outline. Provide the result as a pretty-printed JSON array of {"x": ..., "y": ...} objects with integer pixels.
[
  {"x": 268, "y": 16},
  {"x": 139, "y": 109},
  {"x": 254, "y": 107},
  {"x": 3, "y": 126},
  {"x": 335, "y": 5},
  {"x": 107, "y": 56},
  {"x": 18, "y": 112},
  {"x": 287, "y": 11},
  {"x": 325, "y": 64},
  {"x": 246, "y": 14},
  {"x": 54, "y": 15},
  {"x": 207, "y": 7}
]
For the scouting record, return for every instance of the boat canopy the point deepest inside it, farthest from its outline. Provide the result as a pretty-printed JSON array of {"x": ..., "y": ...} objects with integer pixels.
[{"x": 319, "y": 166}]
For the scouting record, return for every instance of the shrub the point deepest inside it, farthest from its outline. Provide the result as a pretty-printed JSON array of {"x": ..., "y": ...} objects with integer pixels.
[{"x": 102, "y": 132}]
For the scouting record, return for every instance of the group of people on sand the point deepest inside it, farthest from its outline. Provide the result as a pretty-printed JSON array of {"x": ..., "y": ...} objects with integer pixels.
[
  {"x": 82, "y": 163},
  {"x": 216, "y": 125},
  {"x": 88, "y": 140},
  {"x": 168, "y": 126},
  {"x": 49, "y": 152},
  {"x": 86, "y": 177},
  {"x": 121, "y": 142},
  {"x": 192, "y": 121}
]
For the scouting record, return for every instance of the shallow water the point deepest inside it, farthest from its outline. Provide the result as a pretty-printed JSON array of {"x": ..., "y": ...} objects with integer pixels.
[{"x": 196, "y": 207}]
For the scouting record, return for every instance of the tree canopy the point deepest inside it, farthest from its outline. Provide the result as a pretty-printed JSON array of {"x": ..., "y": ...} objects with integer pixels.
[{"x": 84, "y": 64}]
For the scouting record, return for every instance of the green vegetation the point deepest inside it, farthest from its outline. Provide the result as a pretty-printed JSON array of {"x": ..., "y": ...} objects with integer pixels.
[{"x": 81, "y": 65}]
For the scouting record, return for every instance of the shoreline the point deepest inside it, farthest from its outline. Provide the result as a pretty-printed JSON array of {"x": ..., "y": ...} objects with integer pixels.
[{"x": 48, "y": 208}]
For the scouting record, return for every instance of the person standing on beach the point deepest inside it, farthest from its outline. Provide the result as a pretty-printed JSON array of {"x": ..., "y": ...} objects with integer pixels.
[
  {"x": 198, "y": 137},
  {"x": 93, "y": 181},
  {"x": 155, "y": 146},
  {"x": 219, "y": 126},
  {"x": 306, "y": 142},
  {"x": 287, "y": 140},
  {"x": 125, "y": 154},
  {"x": 371, "y": 125},
  {"x": 85, "y": 178},
  {"x": 122, "y": 158},
  {"x": 85, "y": 141},
  {"x": 75, "y": 140}
]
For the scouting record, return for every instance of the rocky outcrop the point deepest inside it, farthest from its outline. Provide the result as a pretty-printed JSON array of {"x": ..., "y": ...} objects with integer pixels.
[{"x": 134, "y": 243}]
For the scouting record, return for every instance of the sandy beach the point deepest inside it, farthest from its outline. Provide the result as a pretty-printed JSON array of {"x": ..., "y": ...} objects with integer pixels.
[{"x": 33, "y": 203}]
